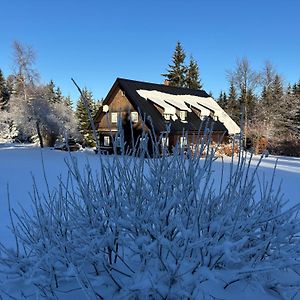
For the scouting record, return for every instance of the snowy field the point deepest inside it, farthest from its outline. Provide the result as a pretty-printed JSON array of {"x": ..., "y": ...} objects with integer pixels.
[{"x": 20, "y": 165}]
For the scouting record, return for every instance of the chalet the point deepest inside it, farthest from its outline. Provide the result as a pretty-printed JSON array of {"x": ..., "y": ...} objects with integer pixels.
[{"x": 157, "y": 107}]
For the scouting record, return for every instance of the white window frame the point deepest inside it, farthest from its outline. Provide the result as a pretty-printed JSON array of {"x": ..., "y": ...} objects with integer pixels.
[
  {"x": 114, "y": 117},
  {"x": 134, "y": 116},
  {"x": 165, "y": 141},
  {"x": 106, "y": 140},
  {"x": 182, "y": 115},
  {"x": 167, "y": 117},
  {"x": 183, "y": 141}
]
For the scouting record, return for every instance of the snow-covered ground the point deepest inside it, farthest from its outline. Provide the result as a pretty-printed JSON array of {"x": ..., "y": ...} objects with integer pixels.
[{"x": 19, "y": 165}]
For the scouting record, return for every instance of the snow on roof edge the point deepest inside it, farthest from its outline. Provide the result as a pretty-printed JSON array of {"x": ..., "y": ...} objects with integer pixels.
[{"x": 204, "y": 104}]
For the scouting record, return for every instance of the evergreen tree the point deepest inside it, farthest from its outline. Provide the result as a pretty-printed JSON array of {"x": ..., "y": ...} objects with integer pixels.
[
  {"x": 83, "y": 117},
  {"x": 291, "y": 115},
  {"x": 233, "y": 108},
  {"x": 296, "y": 89},
  {"x": 223, "y": 101},
  {"x": 68, "y": 102},
  {"x": 4, "y": 93},
  {"x": 272, "y": 105},
  {"x": 277, "y": 88},
  {"x": 10, "y": 80},
  {"x": 50, "y": 92},
  {"x": 177, "y": 71},
  {"x": 58, "y": 98},
  {"x": 289, "y": 89},
  {"x": 251, "y": 103},
  {"x": 192, "y": 79}
]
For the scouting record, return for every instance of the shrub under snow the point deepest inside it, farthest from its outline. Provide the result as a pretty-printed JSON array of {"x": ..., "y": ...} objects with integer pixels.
[{"x": 154, "y": 228}]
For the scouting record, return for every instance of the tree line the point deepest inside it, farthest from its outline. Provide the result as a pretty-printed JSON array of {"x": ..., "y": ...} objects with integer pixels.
[
  {"x": 256, "y": 100},
  {"x": 31, "y": 111}
]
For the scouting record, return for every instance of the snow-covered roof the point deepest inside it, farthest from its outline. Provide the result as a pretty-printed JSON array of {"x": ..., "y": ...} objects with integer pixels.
[{"x": 206, "y": 105}]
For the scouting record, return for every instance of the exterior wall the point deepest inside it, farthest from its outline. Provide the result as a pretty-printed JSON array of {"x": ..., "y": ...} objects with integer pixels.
[{"x": 119, "y": 103}]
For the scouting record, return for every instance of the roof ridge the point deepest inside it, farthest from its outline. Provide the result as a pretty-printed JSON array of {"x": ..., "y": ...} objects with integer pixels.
[{"x": 159, "y": 84}]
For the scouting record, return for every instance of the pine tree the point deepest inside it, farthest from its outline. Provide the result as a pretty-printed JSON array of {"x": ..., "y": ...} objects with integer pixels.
[
  {"x": 58, "y": 98},
  {"x": 192, "y": 79},
  {"x": 10, "y": 80},
  {"x": 289, "y": 89},
  {"x": 296, "y": 89},
  {"x": 223, "y": 101},
  {"x": 50, "y": 90},
  {"x": 4, "y": 93},
  {"x": 251, "y": 103},
  {"x": 177, "y": 71},
  {"x": 83, "y": 117},
  {"x": 291, "y": 111},
  {"x": 277, "y": 88},
  {"x": 68, "y": 102},
  {"x": 233, "y": 108}
]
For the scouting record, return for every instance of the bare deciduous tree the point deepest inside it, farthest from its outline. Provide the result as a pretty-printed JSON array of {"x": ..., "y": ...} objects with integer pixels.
[
  {"x": 245, "y": 80},
  {"x": 25, "y": 74}
]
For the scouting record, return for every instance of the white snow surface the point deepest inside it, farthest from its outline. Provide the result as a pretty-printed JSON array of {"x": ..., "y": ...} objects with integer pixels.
[
  {"x": 19, "y": 165},
  {"x": 185, "y": 102}
]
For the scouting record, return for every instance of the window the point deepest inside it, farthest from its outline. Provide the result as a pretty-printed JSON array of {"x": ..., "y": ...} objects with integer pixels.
[
  {"x": 183, "y": 141},
  {"x": 167, "y": 117},
  {"x": 182, "y": 115},
  {"x": 165, "y": 141},
  {"x": 114, "y": 117},
  {"x": 134, "y": 116},
  {"x": 106, "y": 140}
]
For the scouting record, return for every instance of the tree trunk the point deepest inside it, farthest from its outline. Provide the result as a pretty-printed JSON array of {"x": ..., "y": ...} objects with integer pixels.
[{"x": 39, "y": 134}]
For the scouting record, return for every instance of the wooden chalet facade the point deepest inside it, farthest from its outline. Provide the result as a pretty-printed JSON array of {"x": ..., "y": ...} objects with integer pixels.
[{"x": 156, "y": 107}]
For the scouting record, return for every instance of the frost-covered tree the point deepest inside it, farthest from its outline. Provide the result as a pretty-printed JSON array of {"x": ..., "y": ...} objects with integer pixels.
[
  {"x": 68, "y": 102},
  {"x": 4, "y": 92},
  {"x": 58, "y": 95},
  {"x": 50, "y": 91},
  {"x": 43, "y": 119},
  {"x": 8, "y": 130},
  {"x": 25, "y": 75}
]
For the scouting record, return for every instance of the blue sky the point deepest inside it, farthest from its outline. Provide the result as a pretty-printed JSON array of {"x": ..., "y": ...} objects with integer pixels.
[{"x": 97, "y": 41}]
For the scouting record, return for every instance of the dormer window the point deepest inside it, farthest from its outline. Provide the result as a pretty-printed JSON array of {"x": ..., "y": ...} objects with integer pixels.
[
  {"x": 134, "y": 116},
  {"x": 183, "y": 141},
  {"x": 182, "y": 115},
  {"x": 167, "y": 117},
  {"x": 114, "y": 117}
]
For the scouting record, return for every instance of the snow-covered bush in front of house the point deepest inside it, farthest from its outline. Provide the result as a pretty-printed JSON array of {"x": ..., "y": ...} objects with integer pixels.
[{"x": 152, "y": 228}]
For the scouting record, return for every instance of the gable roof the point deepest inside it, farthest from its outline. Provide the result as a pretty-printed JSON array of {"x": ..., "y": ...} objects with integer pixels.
[{"x": 143, "y": 95}]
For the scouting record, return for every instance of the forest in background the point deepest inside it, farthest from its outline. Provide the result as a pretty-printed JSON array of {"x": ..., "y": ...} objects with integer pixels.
[
  {"x": 259, "y": 101},
  {"x": 265, "y": 108}
]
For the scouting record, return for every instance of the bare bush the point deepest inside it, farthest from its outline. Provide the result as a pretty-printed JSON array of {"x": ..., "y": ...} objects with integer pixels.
[{"x": 152, "y": 228}]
